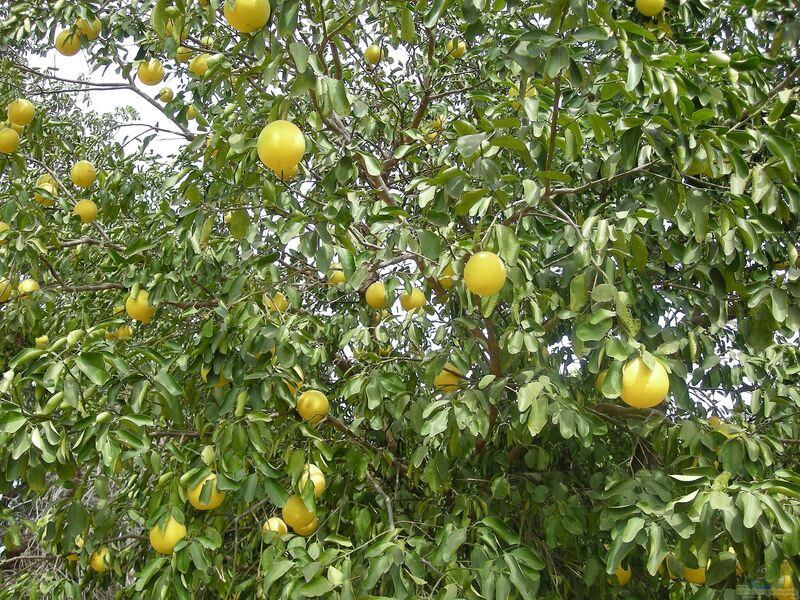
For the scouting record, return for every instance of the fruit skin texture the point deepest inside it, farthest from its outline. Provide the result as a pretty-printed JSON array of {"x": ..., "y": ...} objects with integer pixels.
[
  {"x": 317, "y": 478},
  {"x": 295, "y": 513},
  {"x": 373, "y": 55},
  {"x": 376, "y": 295},
  {"x": 163, "y": 540},
  {"x": 649, "y": 8},
  {"x": 41, "y": 341},
  {"x": 641, "y": 387},
  {"x": 68, "y": 42},
  {"x": 484, "y": 274},
  {"x": 337, "y": 277},
  {"x": 183, "y": 54},
  {"x": 447, "y": 381},
  {"x": 97, "y": 560},
  {"x": 308, "y": 529},
  {"x": 281, "y": 145},
  {"x": 446, "y": 280},
  {"x": 151, "y": 72},
  {"x": 138, "y": 308},
  {"x": 414, "y": 300},
  {"x": 21, "y": 112},
  {"x": 214, "y": 500},
  {"x": 312, "y": 406},
  {"x": 278, "y": 303},
  {"x": 9, "y": 140},
  {"x": 199, "y": 65},
  {"x": 3, "y": 228},
  {"x": 784, "y": 588},
  {"x": 86, "y": 210},
  {"x": 43, "y": 200},
  {"x": 623, "y": 575},
  {"x": 166, "y": 94},
  {"x": 123, "y": 332},
  {"x": 248, "y": 15},
  {"x": 276, "y": 525},
  {"x": 5, "y": 290},
  {"x": 456, "y": 48},
  {"x": 289, "y": 173},
  {"x": 27, "y": 286},
  {"x": 696, "y": 576},
  {"x": 83, "y": 173},
  {"x": 191, "y": 113},
  {"x": 90, "y": 30}
]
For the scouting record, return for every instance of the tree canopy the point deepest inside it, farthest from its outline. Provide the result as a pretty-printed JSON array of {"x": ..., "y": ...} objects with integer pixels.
[{"x": 437, "y": 299}]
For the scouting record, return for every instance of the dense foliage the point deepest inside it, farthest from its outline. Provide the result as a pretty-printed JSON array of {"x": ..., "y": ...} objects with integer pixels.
[{"x": 639, "y": 179}]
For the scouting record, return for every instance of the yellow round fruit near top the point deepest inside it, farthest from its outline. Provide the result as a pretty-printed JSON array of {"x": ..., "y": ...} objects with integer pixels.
[
  {"x": 312, "y": 406},
  {"x": 27, "y": 286},
  {"x": 83, "y": 173},
  {"x": 276, "y": 525},
  {"x": 446, "y": 279},
  {"x": 373, "y": 54},
  {"x": 412, "y": 301},
  {"x": 295, "y": 513},
  {"x": 449, "y": 378},
  {"x": 281, "y": 145},
  {"x": 246, "y": 16},
  {"x": 641, "y": 387},
  {"x": 166, "y": 94},
  {"x": 199, "y": 65},
  {"x": 456, "y": 48},
  {"x": 68, "y": 42},
  {"x": 98, "y": 560},
  {"x": 163, "y": 540},
  {"x": 151, "y": 72},
  {"x": 307, "y": 530},
  {"x": 214, "y": 500},
  {"x": 317, "y": 477},
  {"x": 3, "y": 228},
  {"x": 337, "y": 277},
  {"x": 649, "y": 8},
  {"x": 138, "y": 307},
  {"x": 376, "y": 295},
  {"x": 222, "y": 381},
  {"x": 623, "y": 575},
  {"x": 5, "y": 290},
  {"x": 86, "y": 210},
  {"x": 484, "y": 274},
  {"x": 21, "y": 112},
  {"x": 9, "y": 140},
  {"x": 513, "y": 94},
  {"x": 696, "y": 576},
  {"x": 48, "y": 187},
  {"x": 90, "y": 30}
]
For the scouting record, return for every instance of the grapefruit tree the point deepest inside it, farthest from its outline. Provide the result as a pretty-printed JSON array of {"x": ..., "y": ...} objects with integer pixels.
[{"x": 436, "y": 300}]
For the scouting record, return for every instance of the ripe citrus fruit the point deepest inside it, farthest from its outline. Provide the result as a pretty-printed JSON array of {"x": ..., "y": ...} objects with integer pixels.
[
  {"x": 623, "y": 575},
  {"x": 183, "y": 54},
  {"x": 3, "y": 229},
  {"x": 166, "y": 94},
  {"x": 275, "y": 524},
  {"x": 641, "y": 387},
  {"x": 191, "y": 113},
  {"x": 163, "y": 540},
  {"x": 448, "y": 379},
  {"x": 83, "y": 173},
  {"x": 21, "y": 112},
  {"x": 68, "y": 42},
  {"x": 151, "y": 72},
  {"x": 288, "y": 173},
  {"x": 373, "y": 55},
  {"x": 86, "y": 210},
  {"x": 214, "y": 500},
  {"x": 337, "y": 277},
  {"x": 317, "y": 478},
  {"x": 696, "y": 576},
  {"x": 246, "y": 16},
  {"x": 48, "y": 187},
  {"x": 291, "y": 384},
  {"x": 484, "y": 274},
  {"x": 446, "y": 280},
  {"x": 199, "y": 65},
  {"x": 27, "y": 286},
  {"x": 169, "y": 28},
  {"x": 295, "y": 513},
  {"x": 9, "y": 140},
  {"x": 784, "y": 588},
  {"x": 222, "y": 381},
  {"x": 90, "y": 30},
  {"x": 307, "y": 530},
  {"x": 376, "y": 295},
  {"x": 412, "y": 301},
  {"x": 42, "y": 341},
  {"x": 649, "y": 8},
  {"x": 123, "y": 332},
  {"x": 138, "y": 308},
  {"x": 456, "y": 48},
  {"x": 281, "y": 145},
  {"x": 312, "y": 406},
  {"x": 5, "y": 290},
  {"x": 98, "y": 560},
  {"x": 278, "y": 303}
]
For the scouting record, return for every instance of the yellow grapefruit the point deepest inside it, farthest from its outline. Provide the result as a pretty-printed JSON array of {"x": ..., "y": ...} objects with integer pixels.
[
  {"x": 484, "y": 274},
  {"x": 312, "y": 406},
  {"x": 641, "y": 387},
  {"x": 163, "y": 540},
  {"x": 214, "y": 500},
  {"x": 281, "y": 145}
]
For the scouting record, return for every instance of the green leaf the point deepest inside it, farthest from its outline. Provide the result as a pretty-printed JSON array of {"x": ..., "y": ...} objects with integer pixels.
[
  {"x": 300, "y": 56},
  {"x": 429, "y": 244},
  {"x": 11, "y": 422},
  {"x": 239, "y": 223},
  {"x": 278, "y": 569},
  {"x": 501, "y": 530},
  {"x": 371, "y": 164},
  {"x": 658, "y": 548},
  {"x": 781, "y": 148},
  {"x": 578, "y": 293},
  {"x": 338, "y": 96},
  {"x": 604, "y": 292},
  {"x": 407, "y": 30},
  {"x": 319, "y": 586},
  {"x": 632, "y": 529},
  {"x": 93, "y": 366},
  {"x": 287, "y": 20},
  {"x": 467, "y": 145},
  {"x": 436, "y": 10}
]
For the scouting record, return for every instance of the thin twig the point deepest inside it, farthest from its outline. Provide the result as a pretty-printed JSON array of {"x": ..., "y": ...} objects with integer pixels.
[{"x": 386, "y": 500}]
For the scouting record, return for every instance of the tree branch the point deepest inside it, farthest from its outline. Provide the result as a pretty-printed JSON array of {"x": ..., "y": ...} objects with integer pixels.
[{"x": 386, "y": 500}]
